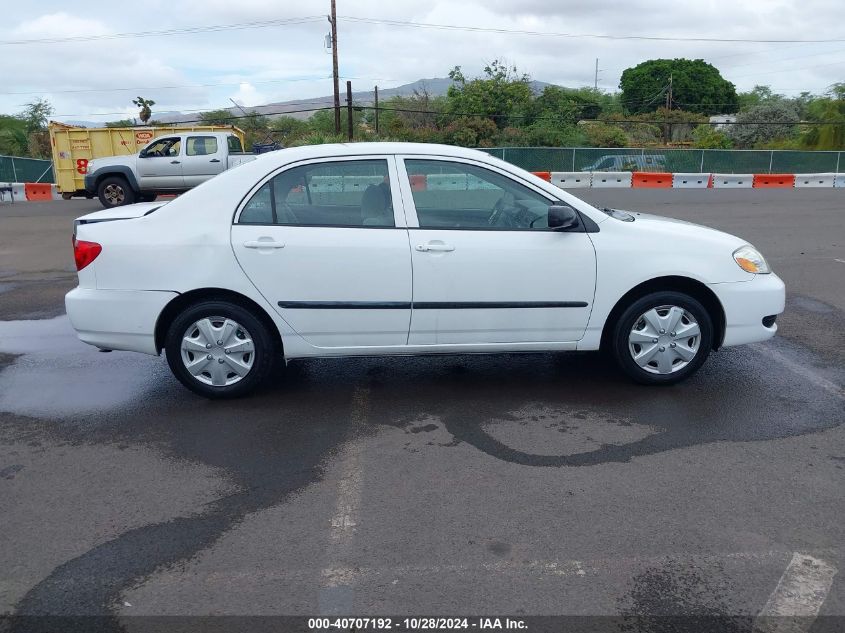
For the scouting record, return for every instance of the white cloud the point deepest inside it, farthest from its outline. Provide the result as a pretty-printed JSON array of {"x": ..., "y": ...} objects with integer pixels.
[
  {"x": 247, "y": 95},
  {"x": 288, "y": 62}
]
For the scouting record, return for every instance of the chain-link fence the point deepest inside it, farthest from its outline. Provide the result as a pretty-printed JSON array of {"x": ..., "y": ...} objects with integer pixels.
[
  {"x": 16, "y": 169},
  {"x": 671, "y": 160}
]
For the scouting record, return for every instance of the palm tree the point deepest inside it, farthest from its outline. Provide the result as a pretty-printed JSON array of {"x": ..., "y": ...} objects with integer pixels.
[{"x": 145, "y": 105}]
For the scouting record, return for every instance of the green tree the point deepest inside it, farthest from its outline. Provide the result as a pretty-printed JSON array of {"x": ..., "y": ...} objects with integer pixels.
[
  {"x": 828, "y": 116},
  {"x": 601, "y": 134},
  {"x": 500, "y": 94},
  {"x": 36, "y": 114},
  {"x": 696, "y": 87},
  {"x": 413, "y": 112},
  {"x": 287, "y": 128},
  {"x": 764, "y": 123},
  {"x": 121, "y": 123},
  {"x": 217, "y": 117},
  {"x": 709, "y": 137},
  {"x": 145, "y": 106},
  {"x": 14, "y": 139},
  {"x": 471, "y": 132}
]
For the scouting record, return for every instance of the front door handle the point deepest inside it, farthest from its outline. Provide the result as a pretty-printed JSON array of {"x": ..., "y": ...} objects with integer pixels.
[
  {"x": 214, "y": 160},
  {"x": 263, "y": 244},
  {"x": 433, "y": 247},
  {"x": 174, "y": 162}
]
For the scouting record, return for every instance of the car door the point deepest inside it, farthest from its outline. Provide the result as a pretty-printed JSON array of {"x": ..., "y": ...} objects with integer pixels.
[
  {"x": 322, "y": 242},
  {"x": 204, "y": 157},
  {"x": 486, "y": 268},
  {"x": 160, "y": 164}
]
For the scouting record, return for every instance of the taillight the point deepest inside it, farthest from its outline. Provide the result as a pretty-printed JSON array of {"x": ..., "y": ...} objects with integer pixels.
[{"x": 85, "y": 252}]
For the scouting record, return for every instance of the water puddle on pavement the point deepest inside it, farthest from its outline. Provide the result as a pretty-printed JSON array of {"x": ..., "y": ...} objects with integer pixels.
[
  {"x": 542, "y": 430},
  {"x": 56, "y": 375}
]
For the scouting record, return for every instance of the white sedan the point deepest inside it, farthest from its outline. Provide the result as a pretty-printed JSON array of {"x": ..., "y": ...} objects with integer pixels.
[{"x": 373, "y": 249}]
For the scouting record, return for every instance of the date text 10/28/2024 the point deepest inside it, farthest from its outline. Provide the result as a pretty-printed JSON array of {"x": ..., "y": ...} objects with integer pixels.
[{"x": 416, "y": 624}]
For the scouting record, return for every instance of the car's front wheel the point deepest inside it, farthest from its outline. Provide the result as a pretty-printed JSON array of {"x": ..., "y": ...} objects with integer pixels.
[
  {"x": 114, "y": 191},
  {"x": 662, "y": 338},
  {"x": 220, "y": 349}
]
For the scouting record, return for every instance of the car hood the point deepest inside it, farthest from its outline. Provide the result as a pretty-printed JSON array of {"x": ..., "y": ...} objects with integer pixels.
[{"x": 681, "y": 229}]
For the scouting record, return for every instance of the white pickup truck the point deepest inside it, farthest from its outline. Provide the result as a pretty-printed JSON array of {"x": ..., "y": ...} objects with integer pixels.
[{"x": 168, "y": 164}]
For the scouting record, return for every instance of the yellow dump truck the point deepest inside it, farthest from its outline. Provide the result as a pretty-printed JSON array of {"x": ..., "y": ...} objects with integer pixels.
[{"x": 75, "y": 147}]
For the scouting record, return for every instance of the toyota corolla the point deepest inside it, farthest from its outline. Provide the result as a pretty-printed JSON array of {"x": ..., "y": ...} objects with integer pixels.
[{"x": 373, "y": 249}]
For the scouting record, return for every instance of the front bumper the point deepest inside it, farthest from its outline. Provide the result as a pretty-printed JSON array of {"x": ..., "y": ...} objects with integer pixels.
[
  {"x": 117, "y": 319},
  {"x": 747, "y": 304}
]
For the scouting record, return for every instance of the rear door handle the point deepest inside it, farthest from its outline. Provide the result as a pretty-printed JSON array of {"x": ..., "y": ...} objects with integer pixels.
[
  {"x": 174, "y": 162},
  {"x": 214, "y": 160},
  {"x": 430, "y": 247},
  {"x": 263, "y": 244}
]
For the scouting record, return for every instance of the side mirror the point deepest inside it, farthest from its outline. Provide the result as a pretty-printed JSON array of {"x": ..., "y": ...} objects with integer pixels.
[
  {"x": 142, "y": 153},
  {"x": 562, "y": 217}
]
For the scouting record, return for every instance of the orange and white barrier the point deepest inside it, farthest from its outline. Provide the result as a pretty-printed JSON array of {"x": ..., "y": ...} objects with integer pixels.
[
  {"x": 651, "y": 180},
  {"x": 614, "y": 179},
  {"x": 692, "y": 181},
  {"x": 774, "y": 181},
  {"x": 572, "y": 179},
  {"x": 814, "y": 180},
  {"x": 28, "y": 192}
]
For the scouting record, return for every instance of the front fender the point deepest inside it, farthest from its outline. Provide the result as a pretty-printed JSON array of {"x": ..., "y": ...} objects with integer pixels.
[{"x": 92, "y": 180}]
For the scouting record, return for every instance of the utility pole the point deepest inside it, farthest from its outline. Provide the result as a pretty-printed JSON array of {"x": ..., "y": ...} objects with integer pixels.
[
  {"x": 335, "y": 75},
  {"x": 349, "y": 109},
  {"x": 669, "y": 94},
  {"x": 596, "y": 80},
  {"x": 376, "y": 105},
  {"x": 667, "y": 133}
]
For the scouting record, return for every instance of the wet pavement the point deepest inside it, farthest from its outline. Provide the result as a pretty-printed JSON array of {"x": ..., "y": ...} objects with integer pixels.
[{"x": 522, "y": 484}]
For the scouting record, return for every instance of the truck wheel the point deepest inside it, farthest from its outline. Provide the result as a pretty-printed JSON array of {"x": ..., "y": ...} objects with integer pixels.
[
  {"x": 114, "y": 191},
  {"x": 147, "y": 197}
]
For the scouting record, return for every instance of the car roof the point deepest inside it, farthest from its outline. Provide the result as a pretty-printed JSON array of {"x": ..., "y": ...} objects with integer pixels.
[{"x": 331, "y": 150}]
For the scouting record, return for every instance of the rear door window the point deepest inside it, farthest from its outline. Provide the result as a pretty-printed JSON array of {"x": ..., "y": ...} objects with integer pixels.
[{"x": 354, "y": 193}]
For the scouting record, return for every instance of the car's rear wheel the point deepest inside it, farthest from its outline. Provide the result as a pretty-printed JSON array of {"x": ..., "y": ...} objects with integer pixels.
[
  {"x": 662, "y": 338},
  {"x": 220, "y": 349},
  {"x": 114, "y": 191}
]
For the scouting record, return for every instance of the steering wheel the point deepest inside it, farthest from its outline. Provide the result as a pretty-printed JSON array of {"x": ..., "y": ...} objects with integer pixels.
[{"x": 498, "y": 210}]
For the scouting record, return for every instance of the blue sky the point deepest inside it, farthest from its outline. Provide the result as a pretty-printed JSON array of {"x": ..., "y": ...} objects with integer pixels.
[{"x": 96, "y": 80}]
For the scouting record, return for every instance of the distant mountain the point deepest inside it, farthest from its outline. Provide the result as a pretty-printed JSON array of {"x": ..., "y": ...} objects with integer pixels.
[{"x": 301, "y": 108}]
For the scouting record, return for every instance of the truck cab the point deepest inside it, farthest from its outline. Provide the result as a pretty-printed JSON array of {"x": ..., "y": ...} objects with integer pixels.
[{"x": 172, "y": 164}]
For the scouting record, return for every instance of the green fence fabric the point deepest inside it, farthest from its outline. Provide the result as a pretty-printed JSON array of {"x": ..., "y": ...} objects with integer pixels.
[
  {"x": 573, "y": 159},
  {"x": 16, "y": 169}
]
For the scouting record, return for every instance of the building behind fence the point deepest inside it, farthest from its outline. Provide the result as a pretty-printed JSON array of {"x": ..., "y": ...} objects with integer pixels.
[{"x": 16, "y": 169}]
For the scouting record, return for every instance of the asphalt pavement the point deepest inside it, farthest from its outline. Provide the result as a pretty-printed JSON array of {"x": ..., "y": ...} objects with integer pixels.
[{"x": 534, "y": 484}]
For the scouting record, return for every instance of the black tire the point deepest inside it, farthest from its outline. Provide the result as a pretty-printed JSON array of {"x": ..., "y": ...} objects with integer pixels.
[
  {"x": 114, "y": 191},
  {"x": 619, "y": 343},
  {"x": 266, "y": 350},
  {"x": 147, "y": 197}
]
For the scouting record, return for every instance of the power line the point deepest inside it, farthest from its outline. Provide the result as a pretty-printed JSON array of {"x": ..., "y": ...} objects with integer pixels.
[
  {"x": 171, "y": 87},
  {"x": 480, "y": 29},
  {"x": 259, "y": 24}
]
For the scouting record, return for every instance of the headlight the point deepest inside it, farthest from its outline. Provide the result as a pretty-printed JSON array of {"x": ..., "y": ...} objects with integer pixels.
[{"x": 750, "y": 260}]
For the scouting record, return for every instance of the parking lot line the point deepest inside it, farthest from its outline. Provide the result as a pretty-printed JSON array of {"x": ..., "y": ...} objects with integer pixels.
[
  {"x": 801, "y": 370},
  {"x": 799, "y": 594},
  {"x": 335, "y": 596}
]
